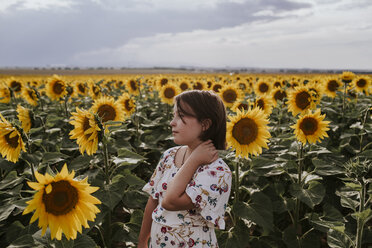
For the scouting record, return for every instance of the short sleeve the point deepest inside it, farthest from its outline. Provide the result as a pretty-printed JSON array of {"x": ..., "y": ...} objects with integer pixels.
[
  {"x": 152, "y": 185},
  {"x": 209, "y": 190}
]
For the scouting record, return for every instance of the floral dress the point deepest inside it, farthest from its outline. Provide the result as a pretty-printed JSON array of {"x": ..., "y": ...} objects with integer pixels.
[{"x": 209, "y": 190}]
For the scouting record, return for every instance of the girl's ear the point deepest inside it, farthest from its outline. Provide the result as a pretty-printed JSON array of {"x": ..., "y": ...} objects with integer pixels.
[{"x": 206, "y": 124}]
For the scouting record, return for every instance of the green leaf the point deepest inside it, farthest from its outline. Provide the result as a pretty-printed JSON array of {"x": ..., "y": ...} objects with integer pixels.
[
  {"x": 11, "y": 180},
  {"x": 311, "y": 196},
  {"x": 25, "y": 241},
  {"x": 83, "y": 241},
  {"x": 364, "y": 216},
  {"x": 290, "y": 237},
  {"x": 324, "y": 168},
  {"x": 259, "y": 210},
  {"x": 337, "y": 239},
  {"x": 111, "y": 194},
  {"x": 125, "y": 155},
  {"x": 53, "y": 157}
]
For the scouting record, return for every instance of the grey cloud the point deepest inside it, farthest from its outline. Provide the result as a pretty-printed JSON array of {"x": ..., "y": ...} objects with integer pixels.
[{"x": 39, "y": 38}]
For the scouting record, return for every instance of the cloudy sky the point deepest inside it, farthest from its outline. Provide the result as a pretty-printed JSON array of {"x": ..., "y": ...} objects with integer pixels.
[{"x": 319, "y": 34}]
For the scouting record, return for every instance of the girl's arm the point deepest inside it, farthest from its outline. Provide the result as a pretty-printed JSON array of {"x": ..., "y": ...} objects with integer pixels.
[
  {"x": 175, "y": 197},
  {"x": 146, "y": 223}
]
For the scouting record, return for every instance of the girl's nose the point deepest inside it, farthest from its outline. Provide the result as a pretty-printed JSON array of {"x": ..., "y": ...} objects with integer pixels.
[{"x": 172, "y": 123}]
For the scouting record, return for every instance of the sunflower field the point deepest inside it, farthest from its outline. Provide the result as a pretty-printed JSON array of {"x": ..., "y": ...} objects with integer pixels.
[{"x": 77, "y": 150}]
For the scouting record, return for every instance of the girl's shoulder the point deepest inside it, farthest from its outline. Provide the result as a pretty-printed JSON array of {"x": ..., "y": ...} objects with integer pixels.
[
  {"x": 169, "y": 152},
  {"x": 219, "y": 165}
]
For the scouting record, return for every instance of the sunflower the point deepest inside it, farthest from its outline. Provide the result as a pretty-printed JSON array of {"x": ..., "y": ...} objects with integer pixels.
[
  {"x": 216, "y": 87},
  {"x": 184, "y": 85},
  {"x": 162, "y": 81},
  {"x": 241, "y": 105},
  {"x": 247, "y": 132},
  {"x": 11, "y": 142},
  {"x": 362, "y": 84},
  {"x": 168, "y": 92},
  {"x": 299, "y": 100},
  {"x": 316, "y": 90},
  {"x": 24, "y": 116},
  {"x": 4, "y": 94},
  {"x": 230, "y": 94},
  {"x": 265, "y": 104},
  {"x": 15, "y": 85},
  {"x": 199, "y": 85},
  {"x": 56, "y": 88},
  {"x": 81, "y": 88},
  {"x": 62, "y": 203},
  {"x": 30, "y": 96},
  {"x": 129, "y": 105},
  {"x": 94, "y": 90},
  {"x": 347, "y": 76},
  {"x": 278, "y": 95},
  {"x": 108, "y": 109},
  {"x": 133, "y": 86},
  {"x": 311, "y": 127},
  {"x": 331, "y": 86},
  {"x": 262, "y": 87},
  {"x": 86, "y": 131}
]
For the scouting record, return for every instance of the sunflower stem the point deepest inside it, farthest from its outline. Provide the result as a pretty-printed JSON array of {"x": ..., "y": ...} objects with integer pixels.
[
  {"x": 298, "y": 203},
  {"x": 360, "y": 222}
]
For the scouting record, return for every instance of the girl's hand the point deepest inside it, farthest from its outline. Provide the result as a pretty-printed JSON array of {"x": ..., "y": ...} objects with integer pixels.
[{"x": 205, "y": 153}]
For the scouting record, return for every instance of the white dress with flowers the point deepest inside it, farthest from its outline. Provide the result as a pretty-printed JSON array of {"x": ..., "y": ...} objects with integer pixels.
[{"x": 209, "y": 190}]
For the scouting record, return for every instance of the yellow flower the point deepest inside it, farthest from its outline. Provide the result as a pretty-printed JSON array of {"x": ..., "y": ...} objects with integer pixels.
[
  {"x": 108, "y": 109},
  {"x": 94, "y": 90},
  {"x": 30, "y": 96},
  {"x": 311, "y": 127},
  {"x": 56, "y": 88},
  {"x": 278, "y": 95},
  {"x": 216, "y": 87},
  {"x": 15, "y": 85},
  {"x": 81, "y": 88},
  {"x": 4, "y": 94},
  {"x": 184, "y": 85},
  {"x": 25, "y": 118},
  {"x": 347, "y": 76},
  {"x": 265, "y": 104},
  {"x": 247, "y": 132},
  {"x": 168, "y": 92},
  {"x": 299, "y": 100},
  {"x": 362, "y": 84},
  {"x": 331, "y": 86},
  {"x": 199, "y": 85},
  {"x": 133, "y": 86},
  {"x": 86, "y": 131},
  {"x": 262, "y": 87},
  {"x": 241, "y": 105},
  {"x": 230, "y": 94},
  {"x": 129, "y": 105},
  {"x": 62, "y": 203},
  {"x": 11, "y": 142}
]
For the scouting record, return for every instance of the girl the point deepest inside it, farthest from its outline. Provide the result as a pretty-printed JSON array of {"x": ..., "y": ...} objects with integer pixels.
[{"x": 190, "y": 186}]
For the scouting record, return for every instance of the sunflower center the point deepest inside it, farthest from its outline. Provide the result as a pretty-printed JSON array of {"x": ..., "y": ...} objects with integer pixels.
[
  {"x": 277, "y": 84},
  {"x": 32, "y": 94},
  {"x": 309, "y": 126},
  {"x": 230, "y": 96},
  {"x": 243, "y": 106},
  {"x": 16, "y": 86},
  {"x": 217, "y": 87},
  {"x": 361, "y": 83},
  {"x": 106, "y": 112},
  {"x": 261, "y": 104},
  {"x": 58, "y": 87},
  {"x": 245, "y": 131},
  {"x": 332, "y": 85},
  {"x": 184, "y": 86},
  {"x": 169, "y": 93},
  {"x": 163, "y": 81},
  {"x": 62, "y": 199},
  {"x": 198, "y": 86},
  {"x": 12, "y": 142},
  {"x": 133, "y": 85},
  {"x": 86, "y": 126},
  {"x": 81, "y": 88},
  {"x": 302, "y": 100},
  {"x": 263, "y": 87},
  {"x": 279, "y": 95},
  {"x": 128, "y": 105},
  {"x": 96, "y": 90}
]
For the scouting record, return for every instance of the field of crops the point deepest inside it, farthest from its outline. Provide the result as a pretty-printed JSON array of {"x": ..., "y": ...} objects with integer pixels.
[{"x": 77, "y": 150}]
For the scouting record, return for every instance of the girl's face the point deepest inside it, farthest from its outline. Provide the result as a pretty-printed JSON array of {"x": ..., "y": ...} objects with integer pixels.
[{"x": 185, "y": 132}]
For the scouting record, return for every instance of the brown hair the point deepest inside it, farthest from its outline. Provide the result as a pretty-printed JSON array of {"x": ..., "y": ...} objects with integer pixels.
[{"x": 206, "y": 105}]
